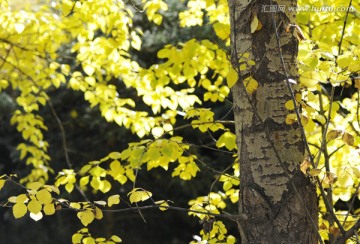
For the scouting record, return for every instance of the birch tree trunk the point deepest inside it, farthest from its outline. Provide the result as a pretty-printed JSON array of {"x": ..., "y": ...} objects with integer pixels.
[{"x": 278, "y": 201}]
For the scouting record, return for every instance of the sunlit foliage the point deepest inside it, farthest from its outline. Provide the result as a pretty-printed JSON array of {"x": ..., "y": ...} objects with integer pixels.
[{"x": 86, "y": 45}]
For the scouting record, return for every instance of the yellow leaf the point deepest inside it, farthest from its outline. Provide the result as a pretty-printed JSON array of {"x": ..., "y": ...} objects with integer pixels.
[
  {"x": 34, "y": 206},
  {"x": 231, "y": 77},
  {"x": 136, "y": 41},
  {"x": 130, "y": 174},
  {"x": 2, "y": 182},
  {"x": 49, "y": 209},
  {"x": 86, "y": 217},
  {"x": 227, "y": 185},
  {"x": 88, "y": 240},
  {"x": 89, "y": 69},
  {"x": 115, "y": 238},
  {"x": 162, "y": 205},
  {"x": 254, "y": 24},
  {"x": 157, "y": 132},
  {"x": 85, "y": 169},
  {"x": 43, "y": 196},
  {"x": 137, "y": 195},
  {"x": 356, "y": 171},
  {"x": 345, "y": 179},
  {"x": 84, "y": 180},
  {"x": 163, "y": 53},
  {"x": 69, "y": 187},
  {"x": 75, "y": 205},
  {"x": 115, "y": 155},
  {"x": 222, "y": 30},
  {"x": 320, "y": 118},
  {"x": 52, "y": 188},
  {"x": 289, "y": 105},
  {"x": 3, "y": 84},
  {"x": 19, "y": 27},
  {"x": 21, "y": 198},
  {"x": 34, "y": 185},
  {"x": 114, "y": 199},
  {"x": 309, "y": 78},
  {"x": 230, "y": 240},
  {"x": 290, "y": 119},
  {"x": 98, "y": 213},
  {"x": 19, "y": 210},
  {"x": 12, "y": 199},
  {"x": 76, "y": 238},
  {"x": 105, "y": 186},
  {"x": 251, "y": 85},
  {"x": 228, "y": 140}
]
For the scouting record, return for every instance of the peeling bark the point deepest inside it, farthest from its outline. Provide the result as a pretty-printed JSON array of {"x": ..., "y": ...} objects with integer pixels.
[{"x": 270, "y": 151}]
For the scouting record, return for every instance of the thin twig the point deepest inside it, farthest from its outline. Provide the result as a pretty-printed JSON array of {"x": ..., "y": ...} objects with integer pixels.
[{"x": 64, "y": 145}]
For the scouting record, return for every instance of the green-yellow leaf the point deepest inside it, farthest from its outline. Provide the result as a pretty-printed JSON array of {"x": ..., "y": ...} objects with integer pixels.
[
  {"x": 43, "y": 196},
  {"x": 115, "y": 155},
  {"x": 12, "y": 199},
  {"x": 114, "y": 199},
  {"x": 19, "y": 210},
  {"x": 34, "y": 206},
  {"x": 86, "y": 217},
  {"x": 115, "y": 238},
  {"x": 34, "y": 185},
  {"x": 49, "y": 209},
  {"x": 75, "y": 205},
  {"x": 21, "y": 198},
  {"x": 314, "y": 172}
]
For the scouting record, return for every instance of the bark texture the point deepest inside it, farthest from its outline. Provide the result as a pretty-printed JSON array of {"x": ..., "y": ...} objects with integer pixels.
[{"x": 270, "y": 151}]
